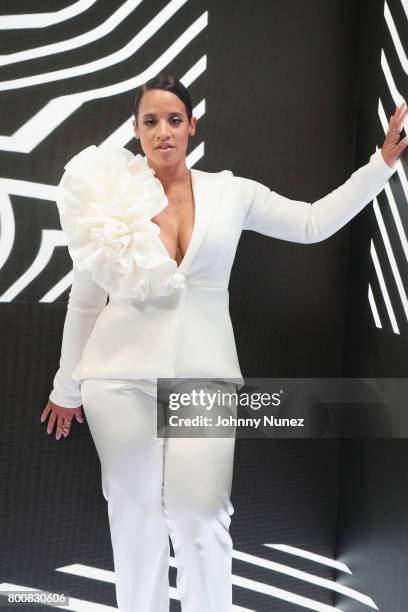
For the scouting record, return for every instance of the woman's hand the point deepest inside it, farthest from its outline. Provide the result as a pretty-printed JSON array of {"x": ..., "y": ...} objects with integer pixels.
[
  {"x": 63, "y": 416},
  {"x": 393, "y": 146}
]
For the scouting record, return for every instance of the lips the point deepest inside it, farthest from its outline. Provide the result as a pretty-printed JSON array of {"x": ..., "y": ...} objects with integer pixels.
[{"x": 164, "y": 147}]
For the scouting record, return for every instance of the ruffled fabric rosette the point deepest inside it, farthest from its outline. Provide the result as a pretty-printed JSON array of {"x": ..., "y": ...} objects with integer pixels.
[{"x": 106, "y": 199}]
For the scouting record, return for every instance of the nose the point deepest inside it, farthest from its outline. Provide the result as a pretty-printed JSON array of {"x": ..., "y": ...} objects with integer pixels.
[{"x": 163, "y": 129}]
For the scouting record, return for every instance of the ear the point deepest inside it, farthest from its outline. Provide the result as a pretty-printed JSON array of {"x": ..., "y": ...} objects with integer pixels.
[
  {"x": 135, "y": 129},
  {"x": 193, "y": 125}
]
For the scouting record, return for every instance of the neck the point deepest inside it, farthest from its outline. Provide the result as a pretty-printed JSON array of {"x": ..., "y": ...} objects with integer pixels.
[{"x": 171, "y": 176}]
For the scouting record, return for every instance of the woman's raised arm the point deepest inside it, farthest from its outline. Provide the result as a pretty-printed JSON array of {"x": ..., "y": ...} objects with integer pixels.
[{"x": 272, "y": 214}]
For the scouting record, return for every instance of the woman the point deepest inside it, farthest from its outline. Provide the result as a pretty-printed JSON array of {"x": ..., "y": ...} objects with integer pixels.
[{"x": 166, "y": 272}]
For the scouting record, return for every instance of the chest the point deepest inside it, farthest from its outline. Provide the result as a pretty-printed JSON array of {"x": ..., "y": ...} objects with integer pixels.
[{"x": 176, "y": 223}]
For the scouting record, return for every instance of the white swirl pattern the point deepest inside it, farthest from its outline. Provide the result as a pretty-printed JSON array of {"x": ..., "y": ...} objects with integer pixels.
[{"x": 38, "y": 128}]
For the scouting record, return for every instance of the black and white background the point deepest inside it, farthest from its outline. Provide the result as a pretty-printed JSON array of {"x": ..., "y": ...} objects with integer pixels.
[{"x": 295, "y": 95}]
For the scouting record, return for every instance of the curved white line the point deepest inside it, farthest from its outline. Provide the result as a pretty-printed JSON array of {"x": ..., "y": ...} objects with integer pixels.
[
  {"x": 29, "y": 189},
  {"x": 101, "y": 63},
  {"x": 373, "y": 306},
  {"x": 49, "y": 240},
  {"x": 397, "y": 219},
  {"x": 383, "y": 288},
  {"x": 196, "y": 69},
  {"x": 43, "y": 20},
  {"x": 391, "y": 258},
  {"x": 395, "y": 38},
  {"x": 283, "y": 594},
  {"x": 251, "y": 585},
  {"x": 7, "y": 227},
  {"x": 195, "y": 155},
  {"x": 62, "y": 285},
  {"x": 199, "y": 109},
  {"x": 388, "y": 191},
  {"x": 32, "y": 134},
  {"x": 396, "y": 96},
  {"x": 306, "y": 554},
  {"x": 73, "y": 43},
  {"x": 38, "y": 127},
  {"x": 305, "y": 576}
]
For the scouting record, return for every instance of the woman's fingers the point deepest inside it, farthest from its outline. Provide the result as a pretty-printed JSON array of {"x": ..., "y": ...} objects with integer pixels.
[
  {"x": 51, "y": 422},
  {"x": 397, "y": 125},
  {"x": 397, "y": 119},
  {"x": 399, "y": 110},
  {"x": 78, "y": 415},
  {"x": 61, "y": 427},
  {"x": 63, "y": 416},
  {"x": 45, "y": 412},
  {"x": 394, "y": 144},
  {"x": 400, "y": 116},
  {"x": 68, "y": 418},
  {"x": 401, "y": 146},
  {"x": 403, "y": 118}
]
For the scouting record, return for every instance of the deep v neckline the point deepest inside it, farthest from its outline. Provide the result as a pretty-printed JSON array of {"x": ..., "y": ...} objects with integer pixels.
[{"x": 182, "y": 264}]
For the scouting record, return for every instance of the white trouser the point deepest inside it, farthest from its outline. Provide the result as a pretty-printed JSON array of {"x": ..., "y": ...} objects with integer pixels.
[{"x": 156, "y": 487}]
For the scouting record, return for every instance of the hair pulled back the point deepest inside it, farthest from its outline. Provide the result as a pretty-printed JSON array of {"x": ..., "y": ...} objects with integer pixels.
[{"x": 167, "y": 82}]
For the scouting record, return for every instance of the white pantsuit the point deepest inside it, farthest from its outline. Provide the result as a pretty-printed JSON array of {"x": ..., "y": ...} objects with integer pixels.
[
  {"x": 156, "y": 487},
  {"x": 173, "y": 322}
]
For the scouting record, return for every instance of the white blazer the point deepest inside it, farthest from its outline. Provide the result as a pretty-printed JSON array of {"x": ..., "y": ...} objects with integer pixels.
[{"x": 189, "y": 332}]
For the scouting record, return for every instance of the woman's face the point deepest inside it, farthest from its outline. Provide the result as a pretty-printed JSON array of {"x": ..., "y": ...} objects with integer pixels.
[{"x": 162, "y": 120}]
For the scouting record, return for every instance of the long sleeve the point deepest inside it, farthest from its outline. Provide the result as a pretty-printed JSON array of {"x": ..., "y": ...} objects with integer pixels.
[
  {"x": 274, "y": 215},
  {"x": 86, "y": 301}
]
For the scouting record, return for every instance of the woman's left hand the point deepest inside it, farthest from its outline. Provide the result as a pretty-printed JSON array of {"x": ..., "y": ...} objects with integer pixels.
[{"x": 393, "y": 146}]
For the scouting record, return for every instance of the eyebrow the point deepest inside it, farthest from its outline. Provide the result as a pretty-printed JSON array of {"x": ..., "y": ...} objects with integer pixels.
[{"x": 154, "y": 114}]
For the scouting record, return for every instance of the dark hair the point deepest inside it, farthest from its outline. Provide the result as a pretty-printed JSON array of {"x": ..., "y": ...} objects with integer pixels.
[{"x": 169, "y": 83}]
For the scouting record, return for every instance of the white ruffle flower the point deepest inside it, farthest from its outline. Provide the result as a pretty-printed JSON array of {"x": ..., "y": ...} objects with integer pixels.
[{"x": 106, "y": 199}]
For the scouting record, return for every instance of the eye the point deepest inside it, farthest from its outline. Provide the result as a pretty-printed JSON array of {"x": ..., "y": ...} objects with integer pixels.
[
  {"x": 148, "y": 121},
  {"x": 177, "y": 119}
]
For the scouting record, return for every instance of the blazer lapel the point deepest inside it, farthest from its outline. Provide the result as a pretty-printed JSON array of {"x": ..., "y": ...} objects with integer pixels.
[{"x": 207, "y": 189}]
